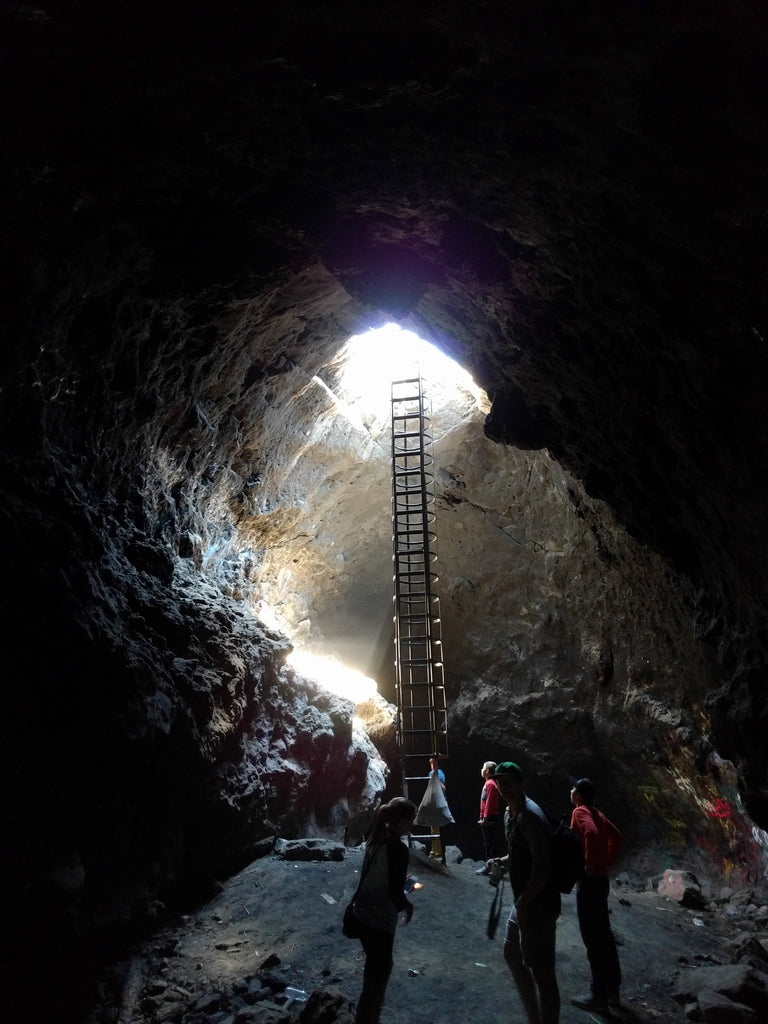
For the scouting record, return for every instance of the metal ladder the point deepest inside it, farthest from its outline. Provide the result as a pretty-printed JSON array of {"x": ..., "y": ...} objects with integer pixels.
[{"x": 422, "y": 725}]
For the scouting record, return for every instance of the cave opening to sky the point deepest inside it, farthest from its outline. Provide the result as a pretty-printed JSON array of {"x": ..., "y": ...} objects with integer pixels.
[
  {"x": 372, "y": 360},
  {"x": 359, "y": 385}
]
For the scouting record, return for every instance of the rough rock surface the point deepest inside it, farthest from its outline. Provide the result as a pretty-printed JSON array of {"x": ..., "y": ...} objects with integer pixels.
[{"x": 200, "y": 203}]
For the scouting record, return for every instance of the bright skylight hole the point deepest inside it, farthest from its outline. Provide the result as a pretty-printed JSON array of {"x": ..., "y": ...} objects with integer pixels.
[{"x": 371, "y": 361}]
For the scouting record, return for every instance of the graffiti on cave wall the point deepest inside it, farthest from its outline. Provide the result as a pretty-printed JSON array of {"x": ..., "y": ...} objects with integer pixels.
[{"x": 709, "y": 822}]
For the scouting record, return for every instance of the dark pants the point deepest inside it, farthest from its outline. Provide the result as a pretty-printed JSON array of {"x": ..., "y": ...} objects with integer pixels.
[
  {"x": 489, "y": 832},
  {"x": 595, "y": 927},
  {"x": 377, "y": 946}
]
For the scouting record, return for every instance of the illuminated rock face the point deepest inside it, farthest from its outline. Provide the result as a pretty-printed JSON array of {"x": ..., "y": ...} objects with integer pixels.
[{"x": 194, "y": 226}]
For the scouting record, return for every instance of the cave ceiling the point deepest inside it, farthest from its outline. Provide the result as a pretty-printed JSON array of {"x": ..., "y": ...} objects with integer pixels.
[{"x": 202, "y": 203}]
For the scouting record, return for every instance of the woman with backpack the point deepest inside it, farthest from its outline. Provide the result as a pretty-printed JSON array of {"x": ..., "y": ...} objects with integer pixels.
[
  {"x": 380, "y": 899},
  {"x": 601, "y": 842}
]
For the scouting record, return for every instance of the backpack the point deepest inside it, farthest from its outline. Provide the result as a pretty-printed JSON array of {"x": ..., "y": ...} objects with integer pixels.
[{"x": 567, "y": 855}]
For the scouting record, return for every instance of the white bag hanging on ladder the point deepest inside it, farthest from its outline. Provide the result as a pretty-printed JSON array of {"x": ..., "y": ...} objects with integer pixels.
[{"x": 433, "y": 810}]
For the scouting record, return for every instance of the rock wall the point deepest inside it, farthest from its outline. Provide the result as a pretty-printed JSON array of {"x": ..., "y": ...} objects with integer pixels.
[
  {"x": 153, "y": 737},
  {"x": 200, "y": 203}
]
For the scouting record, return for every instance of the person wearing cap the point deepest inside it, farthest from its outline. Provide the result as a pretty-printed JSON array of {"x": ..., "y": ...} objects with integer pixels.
[
  {"x": 529, "y": 944},
  {"x": 601, "y": 842}
]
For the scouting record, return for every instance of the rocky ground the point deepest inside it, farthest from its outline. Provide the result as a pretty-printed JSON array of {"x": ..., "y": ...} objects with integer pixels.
[{"x": 268, "y": 949}]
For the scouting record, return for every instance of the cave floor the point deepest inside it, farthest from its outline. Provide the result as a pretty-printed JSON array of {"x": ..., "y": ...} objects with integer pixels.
[{"x": 283, "y": 918}]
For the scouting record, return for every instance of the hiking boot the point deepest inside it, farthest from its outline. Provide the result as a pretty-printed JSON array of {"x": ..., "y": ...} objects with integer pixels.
[{"x": 591, "y": 1002}]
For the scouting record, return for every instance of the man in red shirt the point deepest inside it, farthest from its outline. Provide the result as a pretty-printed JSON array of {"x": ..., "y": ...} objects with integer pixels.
[{"x": 601, "y": 842}]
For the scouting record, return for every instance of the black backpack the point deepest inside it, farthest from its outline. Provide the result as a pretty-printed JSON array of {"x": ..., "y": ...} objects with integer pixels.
[{"x": 567, "y": 855}]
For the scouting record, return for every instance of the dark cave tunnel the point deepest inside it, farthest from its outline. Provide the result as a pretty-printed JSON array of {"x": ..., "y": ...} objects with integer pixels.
[{"x": 200, "y": 208}]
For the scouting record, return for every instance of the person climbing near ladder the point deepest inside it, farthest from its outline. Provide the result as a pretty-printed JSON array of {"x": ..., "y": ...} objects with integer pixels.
[
  {"x": 438, "y": 849},
  {"x": 433, "y": 810}
]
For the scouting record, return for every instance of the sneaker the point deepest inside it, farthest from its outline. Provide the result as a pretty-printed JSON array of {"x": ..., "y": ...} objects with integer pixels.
[
  {"x": 483, "y": 871},
  {"x": 590, "y": 1002}
]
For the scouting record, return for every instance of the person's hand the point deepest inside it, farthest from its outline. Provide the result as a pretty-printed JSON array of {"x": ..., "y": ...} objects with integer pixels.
[
  {"x": 481, "y": 821},
  {"x": 523, "y": 913}
]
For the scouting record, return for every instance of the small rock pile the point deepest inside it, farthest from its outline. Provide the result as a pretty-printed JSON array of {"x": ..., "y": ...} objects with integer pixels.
[
  {"x": 733, "y": 993},
  {"x": 266, "y": 997}
]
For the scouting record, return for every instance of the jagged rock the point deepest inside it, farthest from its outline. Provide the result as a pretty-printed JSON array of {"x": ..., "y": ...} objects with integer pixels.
[
  {"x": 329, "y": 1006},
  {"x": 739, "y": 982},
  {"x": 744, "y": 898},
  {"x": 380, "y": 718},
  {"x": 750, "y": 948},
  {"x": 209, "y": 1003},
  {"x": 683, "y": 887},
  {"x": 717, "y": 1008},
  {"x": 309, "y": 849},
  {"x": 257, "y": 991}
]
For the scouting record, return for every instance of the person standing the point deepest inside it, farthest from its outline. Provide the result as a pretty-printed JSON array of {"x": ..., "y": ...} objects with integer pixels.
[
  {"x": 380, "y": 899},
  {"x": 489, "y": 813},
  {"x": 434, "y": 766},
  {"x": 529, "y": 945},
  {"x": 601, "y": 842},
  {"x": 437, "y": 848}
]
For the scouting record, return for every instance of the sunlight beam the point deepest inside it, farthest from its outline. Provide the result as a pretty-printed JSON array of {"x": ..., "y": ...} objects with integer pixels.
[{"x": 334, "y": 676}]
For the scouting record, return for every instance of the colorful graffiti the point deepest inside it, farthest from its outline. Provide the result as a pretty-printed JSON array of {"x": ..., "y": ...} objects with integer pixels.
[
  {"x": 718, "y": 809},
  {"x": 704, "y": 823}
]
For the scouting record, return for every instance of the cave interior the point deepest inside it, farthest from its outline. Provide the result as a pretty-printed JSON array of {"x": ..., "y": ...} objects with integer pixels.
[{"x": 202, "y": 204}]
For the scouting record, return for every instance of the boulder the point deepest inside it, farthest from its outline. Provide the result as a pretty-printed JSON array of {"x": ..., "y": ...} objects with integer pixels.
[
  {"x": 683, "y": 887},
  {"x": 327, "y": 1006},
  {"x": 719, "y": 1009},
  {"x": 309, "y": 849},
  {"x": 750, "y": 949},
  {"x": 739, "y": 982}
]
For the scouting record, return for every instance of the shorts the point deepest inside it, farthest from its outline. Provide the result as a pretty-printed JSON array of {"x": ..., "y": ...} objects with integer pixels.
[{"x": 536, "y": 941}]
